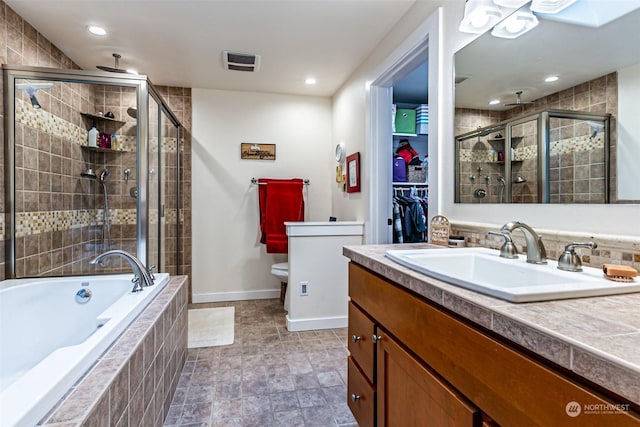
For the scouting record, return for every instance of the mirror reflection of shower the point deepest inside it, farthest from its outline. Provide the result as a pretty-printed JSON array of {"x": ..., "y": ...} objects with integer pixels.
[
  {"x": 501, "y": 191},
  {"x": 106, "y": 224}
]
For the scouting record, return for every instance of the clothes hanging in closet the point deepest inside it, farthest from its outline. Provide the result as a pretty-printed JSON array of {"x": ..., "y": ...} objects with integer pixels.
[{"x": 409, "y": 218}]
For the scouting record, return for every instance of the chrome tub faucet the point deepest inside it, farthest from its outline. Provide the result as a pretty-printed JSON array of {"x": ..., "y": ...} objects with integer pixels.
[{"x": 142, "y": 276}]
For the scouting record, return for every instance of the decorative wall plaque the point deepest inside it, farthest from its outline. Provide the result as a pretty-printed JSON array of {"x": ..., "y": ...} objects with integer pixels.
[
  {"x": 258, "y": 151},
  {"x": 439, "y": 230}
]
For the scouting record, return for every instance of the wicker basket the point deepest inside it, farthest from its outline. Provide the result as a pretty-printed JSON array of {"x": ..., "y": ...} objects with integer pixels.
[{"x": 417, "y": 174}]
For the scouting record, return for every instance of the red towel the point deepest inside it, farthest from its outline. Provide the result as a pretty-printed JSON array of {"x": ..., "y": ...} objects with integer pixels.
[{"x": 280, "y": 200}]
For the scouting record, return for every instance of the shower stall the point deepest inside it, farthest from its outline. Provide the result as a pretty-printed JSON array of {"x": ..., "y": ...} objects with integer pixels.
[
  {"x": 551, "y": 156},
  {"x": 91, "y": 163}
]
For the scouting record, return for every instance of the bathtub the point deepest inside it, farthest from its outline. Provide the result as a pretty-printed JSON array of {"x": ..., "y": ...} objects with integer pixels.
[{"x": 48, "y": 340}]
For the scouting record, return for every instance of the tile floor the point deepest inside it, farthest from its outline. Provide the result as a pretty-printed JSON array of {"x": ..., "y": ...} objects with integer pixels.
[{"x": 267, "y": 377}]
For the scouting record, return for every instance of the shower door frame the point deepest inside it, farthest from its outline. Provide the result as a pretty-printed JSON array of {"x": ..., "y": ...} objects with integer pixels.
[
  {"x": 543, "y": 140},
  {"x": 144, "y": 89}
]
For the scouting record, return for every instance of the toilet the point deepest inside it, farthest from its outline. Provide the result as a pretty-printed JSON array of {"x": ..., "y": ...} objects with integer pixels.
[{"x": 281, "y": 271}]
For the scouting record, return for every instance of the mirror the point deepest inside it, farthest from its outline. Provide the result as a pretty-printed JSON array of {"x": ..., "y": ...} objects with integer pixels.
[{"x": 598, "y": 70}]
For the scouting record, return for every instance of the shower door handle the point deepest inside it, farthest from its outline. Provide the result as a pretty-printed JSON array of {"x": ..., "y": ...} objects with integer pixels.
[{"x": 162, "y": 211}]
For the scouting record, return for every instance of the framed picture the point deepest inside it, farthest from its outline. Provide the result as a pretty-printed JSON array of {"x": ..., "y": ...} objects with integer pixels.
[{"x": 353, "y": 173}]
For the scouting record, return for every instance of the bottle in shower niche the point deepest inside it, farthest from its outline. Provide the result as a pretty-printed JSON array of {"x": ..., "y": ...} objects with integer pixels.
[{"x": 92, "y": 140}]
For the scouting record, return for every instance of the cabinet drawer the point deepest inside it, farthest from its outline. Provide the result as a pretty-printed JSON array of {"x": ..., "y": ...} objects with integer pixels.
[
  {"x": 360, "y": 395},
  {"x": 361, "y": 329}
]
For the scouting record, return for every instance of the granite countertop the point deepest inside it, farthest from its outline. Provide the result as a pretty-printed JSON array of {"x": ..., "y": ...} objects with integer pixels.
[{"x": 597, "y": 338}]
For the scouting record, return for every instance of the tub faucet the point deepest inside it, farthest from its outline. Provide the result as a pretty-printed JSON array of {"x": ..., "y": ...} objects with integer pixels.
[
  {"x": 141, "y": 276},
  {"x": 536, "y": 252}
]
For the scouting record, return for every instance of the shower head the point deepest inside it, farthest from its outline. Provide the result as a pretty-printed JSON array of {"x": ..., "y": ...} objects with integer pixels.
[
  {"x": 104, "y": 174},
  {"x": 520, "y": 180},
  {"x": 519, "y": 100},
  {"x": 31, "y": 89},
  {"x": 115, "y": 68},
  {"x": 132, "y": 112},
  {"x": 89, "y": 173}
]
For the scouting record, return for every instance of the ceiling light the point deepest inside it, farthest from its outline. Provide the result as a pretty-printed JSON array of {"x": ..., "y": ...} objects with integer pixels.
[
  {"x": 550, "y": 6},
  {"x": 98, "y": 31},
  {"x": 515, "y": 25},
  {"x": 513, "y": 4},
  {"x": 494, "y": 102},
  {"x": 551, "y": 79},
  {"x": 479, "y": 16},
  {"x": 310, "y": 81}
]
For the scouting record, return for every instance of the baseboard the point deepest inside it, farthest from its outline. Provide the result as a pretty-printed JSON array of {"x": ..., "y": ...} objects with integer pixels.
[
  {"x": 316, "y": 323},
  {"x": 236, "y": 296}
]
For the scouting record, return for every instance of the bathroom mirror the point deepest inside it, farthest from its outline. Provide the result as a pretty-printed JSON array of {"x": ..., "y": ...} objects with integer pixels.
[{"x": 598, "y": 71}]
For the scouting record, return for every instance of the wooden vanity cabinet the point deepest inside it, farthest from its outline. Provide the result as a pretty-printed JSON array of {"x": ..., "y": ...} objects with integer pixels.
[{"x": 434, "y": 369}]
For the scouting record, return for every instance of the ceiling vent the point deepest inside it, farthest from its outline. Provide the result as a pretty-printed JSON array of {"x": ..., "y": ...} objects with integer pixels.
[{"x": 240, "y": 61}]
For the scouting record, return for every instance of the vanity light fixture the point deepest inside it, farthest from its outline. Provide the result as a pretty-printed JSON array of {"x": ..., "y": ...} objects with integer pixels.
[
  {"x": 310, "y": 81},
  {"x": 98, "y": 31},
  {"x": 494, "y": 102},
  {"x": 515, "y": 25},
  {"x": 479, "y": 16},
  {"x": 551, "y": 79},
  {"x": 550, "y": 6}
]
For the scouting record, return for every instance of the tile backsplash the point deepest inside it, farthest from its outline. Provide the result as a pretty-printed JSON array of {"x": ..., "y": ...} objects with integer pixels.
[{"x": 611, "y": 249}]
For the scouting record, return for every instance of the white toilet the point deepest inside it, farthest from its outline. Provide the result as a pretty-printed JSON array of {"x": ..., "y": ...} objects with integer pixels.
[{"x": 281, "y": 271}]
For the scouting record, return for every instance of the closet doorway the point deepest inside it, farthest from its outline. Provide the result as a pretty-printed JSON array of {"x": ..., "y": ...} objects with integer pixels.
[{"x": 421, "y": 55}]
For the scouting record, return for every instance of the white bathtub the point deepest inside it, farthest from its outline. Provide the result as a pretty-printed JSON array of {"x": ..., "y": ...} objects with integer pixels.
[{"x": 48, "y": 340}]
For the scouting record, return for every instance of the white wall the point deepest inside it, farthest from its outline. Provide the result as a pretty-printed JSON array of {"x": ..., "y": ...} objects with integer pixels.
[
  {"x": 628, "y": 153},
  {"x": 601, "y": 219},
  {"x": 228, "y": 260}
]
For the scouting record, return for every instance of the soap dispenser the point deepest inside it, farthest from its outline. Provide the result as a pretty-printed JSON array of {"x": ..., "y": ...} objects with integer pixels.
[{"x": 92, "y": 140}]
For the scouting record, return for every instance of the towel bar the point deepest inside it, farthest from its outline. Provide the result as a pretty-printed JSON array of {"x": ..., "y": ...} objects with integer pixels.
[{"x": 254, "y": 181}]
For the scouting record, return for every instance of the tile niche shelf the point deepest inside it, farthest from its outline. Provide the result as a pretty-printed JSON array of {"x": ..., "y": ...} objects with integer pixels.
[{"x": 97, "y": 118}]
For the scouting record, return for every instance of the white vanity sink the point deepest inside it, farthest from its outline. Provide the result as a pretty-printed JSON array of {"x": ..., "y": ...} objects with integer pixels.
[{"x": 515, "y": 280}]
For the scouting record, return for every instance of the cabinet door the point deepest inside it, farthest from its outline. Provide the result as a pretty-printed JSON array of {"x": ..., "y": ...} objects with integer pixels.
[
  {"x": 361, "y": 329},
  {"x": 409, "y": 394}
]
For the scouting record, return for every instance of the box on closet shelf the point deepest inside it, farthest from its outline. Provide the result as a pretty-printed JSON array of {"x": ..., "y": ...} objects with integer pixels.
[
  {"x": 405, "y": 120},
  {"x": 416, "y": 174}
]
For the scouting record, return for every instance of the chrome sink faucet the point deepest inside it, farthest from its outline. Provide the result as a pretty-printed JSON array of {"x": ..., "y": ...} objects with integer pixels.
[
  {"x": 536, "y": 252},
  {"x": 141, "y": 275}
]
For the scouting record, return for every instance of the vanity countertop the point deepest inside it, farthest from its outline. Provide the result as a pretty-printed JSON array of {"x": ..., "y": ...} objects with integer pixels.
[{"x": 596, "y": 338}]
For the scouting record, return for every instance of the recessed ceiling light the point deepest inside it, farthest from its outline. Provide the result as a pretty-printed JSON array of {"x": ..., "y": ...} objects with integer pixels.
[
  {"x": 310, "y": 81},
  {"x": 494, "y": 102},
  {"x": 98, "y": 31},
  {"x": 551, "y": 79}
]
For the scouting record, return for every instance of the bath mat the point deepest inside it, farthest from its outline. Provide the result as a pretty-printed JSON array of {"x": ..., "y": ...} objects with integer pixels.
[{"x": 210, "y": 327}]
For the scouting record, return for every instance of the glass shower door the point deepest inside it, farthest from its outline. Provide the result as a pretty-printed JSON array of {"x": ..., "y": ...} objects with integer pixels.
[{"x": 169, "y": 155}]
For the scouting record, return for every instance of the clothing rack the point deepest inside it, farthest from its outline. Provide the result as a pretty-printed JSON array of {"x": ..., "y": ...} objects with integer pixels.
[
  {"x": 420, "y": 191},
  {"x": 254, "y": 181}
]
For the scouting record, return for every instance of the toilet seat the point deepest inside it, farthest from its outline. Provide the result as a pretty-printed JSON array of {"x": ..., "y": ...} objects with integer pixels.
[{"x": 281, "y": 271}]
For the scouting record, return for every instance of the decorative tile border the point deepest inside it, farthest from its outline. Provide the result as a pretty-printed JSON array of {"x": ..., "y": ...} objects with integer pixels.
[
  {"x": 574, "y": 145},
  {"x": 611, "y": 249},
  {"x": 479, "y": 156},
  {"x": 48, "y": 123}
]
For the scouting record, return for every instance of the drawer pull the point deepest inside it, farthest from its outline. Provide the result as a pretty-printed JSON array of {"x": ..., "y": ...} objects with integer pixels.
[
  {"x": 355, "y": 397},
  {"x": 376, "y": 338},
  {"x": 355, "y": 338}
]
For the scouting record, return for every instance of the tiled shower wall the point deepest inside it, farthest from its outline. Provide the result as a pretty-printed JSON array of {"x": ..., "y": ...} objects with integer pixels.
[
  {"x": 58, "y": 196},
  {"x": 598, "y": 96}
]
